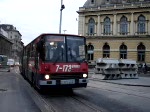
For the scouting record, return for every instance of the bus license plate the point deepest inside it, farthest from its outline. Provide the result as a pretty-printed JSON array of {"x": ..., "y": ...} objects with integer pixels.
[{"x": 72, "y": 81}]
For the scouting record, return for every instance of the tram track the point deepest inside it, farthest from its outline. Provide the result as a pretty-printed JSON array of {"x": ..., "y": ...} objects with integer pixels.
[
  {"x": 74, "y": 99},
  {"x": 44, "y": 102},
  {"x": 47, "y": 105},
  {"x": 89, "y": 104},
  {"x": 50, "y": 103}
]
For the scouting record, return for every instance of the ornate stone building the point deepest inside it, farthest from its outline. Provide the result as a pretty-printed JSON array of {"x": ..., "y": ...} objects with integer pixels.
[
  {"x": 116, "y": 29},
  {"x": 5, "y": 45},
  {"x": 15, "y": 37}
]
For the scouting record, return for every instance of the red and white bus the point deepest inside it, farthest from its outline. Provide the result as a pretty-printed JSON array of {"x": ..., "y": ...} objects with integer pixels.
[{"x": 56, "y": 61}]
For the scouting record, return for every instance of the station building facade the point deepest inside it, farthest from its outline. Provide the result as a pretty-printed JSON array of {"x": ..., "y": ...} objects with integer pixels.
[{"x": 116, "y": 29}]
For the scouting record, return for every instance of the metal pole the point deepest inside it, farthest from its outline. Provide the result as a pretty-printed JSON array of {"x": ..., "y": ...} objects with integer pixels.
[{"x": 60, "y": 16}]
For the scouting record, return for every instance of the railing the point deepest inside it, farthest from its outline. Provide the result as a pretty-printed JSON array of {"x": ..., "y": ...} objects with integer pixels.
[{"x": 91, "y": 34}]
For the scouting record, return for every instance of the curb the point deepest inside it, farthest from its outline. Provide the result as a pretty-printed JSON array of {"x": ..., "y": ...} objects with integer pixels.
[
  {"x": 39, "y": 101},
  {"x": 139, "y": 85}
]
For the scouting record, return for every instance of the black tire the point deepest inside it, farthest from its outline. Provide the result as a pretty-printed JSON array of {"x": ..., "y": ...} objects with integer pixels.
[{"x": 42, "y": 90}]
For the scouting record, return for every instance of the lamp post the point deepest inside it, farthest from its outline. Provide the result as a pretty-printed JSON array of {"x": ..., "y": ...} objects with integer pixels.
[
  {"x": 64, "y": 31},
  {"x": 62, "y": 7}
]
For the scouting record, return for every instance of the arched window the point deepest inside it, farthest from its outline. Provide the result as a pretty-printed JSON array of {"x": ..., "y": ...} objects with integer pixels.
[
  {"x": 107, "y": 28},
  {"x": 92, "y": 1},
  {"x": 141, "y": 24},
  {"x": 90, "y": 50},
  {"x": 107, "y": 1},
  {"x": 141, "y": 52},
  {"x": 123, "y": 51},
  {"x": 123, "y": 25},
  {"x": 106, "y": 51},
  {"x": 91, "y": 27}
]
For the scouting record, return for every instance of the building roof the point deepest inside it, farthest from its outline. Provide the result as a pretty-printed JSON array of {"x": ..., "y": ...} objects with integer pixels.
[
  {"x": 8, "y": 27},
  {"x": 89, "y": 3}
]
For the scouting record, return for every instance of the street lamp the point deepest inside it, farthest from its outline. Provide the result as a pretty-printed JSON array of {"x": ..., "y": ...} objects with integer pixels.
[
  {"x": 62, "y": 7},
  {"x": 64, "y": 31}
]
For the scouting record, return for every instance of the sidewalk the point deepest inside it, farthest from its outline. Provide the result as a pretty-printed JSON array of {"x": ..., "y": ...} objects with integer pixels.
[
  {"x": 14, "y": 96},
  {"x": 143, "y": 80}
]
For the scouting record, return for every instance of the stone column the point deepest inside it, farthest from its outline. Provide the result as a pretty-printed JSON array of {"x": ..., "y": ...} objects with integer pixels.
[
  {"x": 83, "y": 26},
  {"x": 98, "y": 27},
  {"x": 132, "y": 25},
  {"x": 115, "y": 25}
]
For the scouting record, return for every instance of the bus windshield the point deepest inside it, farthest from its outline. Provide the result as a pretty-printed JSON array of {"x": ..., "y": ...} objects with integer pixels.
[
  {"x": 75, "y": 48},
  {"x": 64, "y": 49}
]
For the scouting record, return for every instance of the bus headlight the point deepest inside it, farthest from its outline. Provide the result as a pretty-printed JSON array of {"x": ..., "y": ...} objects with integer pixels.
[
  {"x": 47, "y": 77},
  {"x": 84, "y": 75}
]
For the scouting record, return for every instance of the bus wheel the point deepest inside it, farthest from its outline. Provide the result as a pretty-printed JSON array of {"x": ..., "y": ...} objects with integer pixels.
[
  {"x": 69, "y": 91},
  {"x": 42, "y": 90}
]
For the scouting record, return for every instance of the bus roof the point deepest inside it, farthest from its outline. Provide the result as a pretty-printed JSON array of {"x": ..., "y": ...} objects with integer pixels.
[{"x": 56, "y": 34}]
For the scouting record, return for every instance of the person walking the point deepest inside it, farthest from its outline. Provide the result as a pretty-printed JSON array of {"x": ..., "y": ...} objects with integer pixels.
[{"x": 145, "y": 68}]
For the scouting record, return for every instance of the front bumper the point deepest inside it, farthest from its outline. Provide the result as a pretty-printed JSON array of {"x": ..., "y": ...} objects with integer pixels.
[{"x": 71, "y": 83}]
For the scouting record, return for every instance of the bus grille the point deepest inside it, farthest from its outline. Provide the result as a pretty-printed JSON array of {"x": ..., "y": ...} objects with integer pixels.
[{"x": 66, "y": 76}]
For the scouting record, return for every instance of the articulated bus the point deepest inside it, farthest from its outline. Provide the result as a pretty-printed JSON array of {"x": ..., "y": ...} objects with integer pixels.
[{"x": 56, "y": 61}]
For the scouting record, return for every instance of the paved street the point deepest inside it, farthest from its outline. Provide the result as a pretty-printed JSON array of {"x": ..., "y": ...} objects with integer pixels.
[
  {"x": 142, "y": 80},
  {"x": 125, "y": 95},
  {"x": 13, "y": 94}
]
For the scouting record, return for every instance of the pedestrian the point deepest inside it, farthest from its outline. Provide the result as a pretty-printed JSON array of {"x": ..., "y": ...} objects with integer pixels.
[{"x": 145, "y": 68}]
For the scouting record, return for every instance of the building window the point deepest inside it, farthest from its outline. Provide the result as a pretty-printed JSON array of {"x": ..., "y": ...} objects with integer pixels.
[
  {"x": 141, "y": 24},
  {"x": 107, "y": 26},
  {"x": 123, "y": 51},
  {"x": 124, "y": 1},
  {"x": 91, "y": 27},
  {"x": 107, "y": 1},
  {"x": 90, "y": 51},
  {"x": 123, "y": 25},
  {"x": 92, "y": 1},
  {"x": 141, "y": 52},
  {"x": 106, "y": 51}
]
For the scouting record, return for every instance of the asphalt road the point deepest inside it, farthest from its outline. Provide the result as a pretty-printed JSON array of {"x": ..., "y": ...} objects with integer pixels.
[
  {"x": 97, "y": 97},
  {"x": 101, "y": 97},
  {"x": 13, "y": 94}
]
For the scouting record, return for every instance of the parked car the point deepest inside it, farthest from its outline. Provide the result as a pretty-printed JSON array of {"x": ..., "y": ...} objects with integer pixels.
[
  {"x": 3, "y": 63},
  {"x": 11, "y": 62},
  {"x": 17, "y": 64}
]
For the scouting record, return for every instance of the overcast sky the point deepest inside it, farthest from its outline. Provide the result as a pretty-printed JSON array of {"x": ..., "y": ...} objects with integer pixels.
[{"x": 33, "y": 17}]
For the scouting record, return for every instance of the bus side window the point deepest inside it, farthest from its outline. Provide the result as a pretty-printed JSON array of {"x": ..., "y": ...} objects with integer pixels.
[
  {"x": 36, "y": 60},
  {"x": 41, "y": 50}
]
